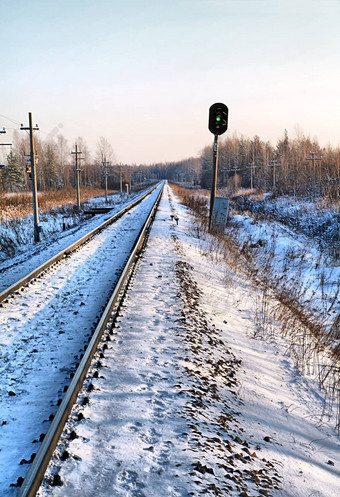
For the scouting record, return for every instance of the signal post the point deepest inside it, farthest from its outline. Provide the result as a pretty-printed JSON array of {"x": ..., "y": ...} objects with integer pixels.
[{"x": 218, "y": 124}]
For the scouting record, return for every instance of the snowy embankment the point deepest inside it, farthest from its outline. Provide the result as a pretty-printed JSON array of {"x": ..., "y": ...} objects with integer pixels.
[
  {"x": 187, "y": 402},
  {"x": 296, "y": 242},
  {"x": 302, "y": 271}
]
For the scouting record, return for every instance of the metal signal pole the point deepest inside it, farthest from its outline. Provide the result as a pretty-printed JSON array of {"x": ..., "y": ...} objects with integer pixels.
[
  {"x": 30, "y": 128},
  {"x": 218, "y": 124},
  {"x": 214, "y": 181}
]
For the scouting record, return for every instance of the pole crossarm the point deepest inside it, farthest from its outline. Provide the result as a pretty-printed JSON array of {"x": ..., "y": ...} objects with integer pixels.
[
  {"x": 27, "y": 128},
  {"x": 313, "y": 154},
  {"x": 273, "y": 163}
]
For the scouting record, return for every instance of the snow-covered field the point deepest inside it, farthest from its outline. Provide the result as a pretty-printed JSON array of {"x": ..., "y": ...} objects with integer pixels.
[{"x": 187, "y": 402}]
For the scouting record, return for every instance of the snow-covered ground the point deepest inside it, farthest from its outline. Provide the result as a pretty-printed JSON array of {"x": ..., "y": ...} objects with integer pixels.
[
  {"x": 297, "y": 258},
  {"x": 187, "y": 402}
]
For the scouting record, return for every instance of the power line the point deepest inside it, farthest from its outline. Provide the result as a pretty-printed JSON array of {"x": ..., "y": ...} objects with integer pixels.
[{"x": 10, "y": 119}]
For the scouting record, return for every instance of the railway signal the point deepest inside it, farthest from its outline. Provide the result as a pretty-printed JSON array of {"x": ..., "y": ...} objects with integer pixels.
[
  {"x": 218, "y": 119},
  {"x": 218, "y": 124}
]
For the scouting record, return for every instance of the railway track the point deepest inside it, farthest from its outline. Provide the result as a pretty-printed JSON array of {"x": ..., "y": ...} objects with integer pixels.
[
  {"x": 69, "y": 249},
  {"x": 54, "y": 285}
]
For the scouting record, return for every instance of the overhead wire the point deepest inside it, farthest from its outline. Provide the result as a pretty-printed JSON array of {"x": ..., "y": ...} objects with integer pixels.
[{"x": 10, "y": 119}]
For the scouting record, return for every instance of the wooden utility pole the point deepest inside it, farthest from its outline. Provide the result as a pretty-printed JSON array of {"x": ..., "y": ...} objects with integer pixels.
[
  {"x": 313, "y": 158},
  {"x": 30, "y": 128},
  {"x": 3, "y": 144},
  {"x": 76, "y": 153},
  {"x": 3, "y": 130},
  {"x": 105, "y": 164},
  {"x": 274, "y": 164}
]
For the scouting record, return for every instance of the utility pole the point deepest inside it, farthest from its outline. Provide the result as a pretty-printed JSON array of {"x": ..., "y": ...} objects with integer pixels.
[
  {"x": 3, "y": 130},
  {"x": 105, "y": 164},
  {"x": 120, "y": 179},
  {"x": 273, "y": 163},
  {"x": 233, "y": 170},
  {"x": 76, "y": 153},
  {"x": 313, "y": 158},
  {"x": 3, "y": 144},
  {"x": 30, "y": 128},
  {"x": 251, "y": 167}
]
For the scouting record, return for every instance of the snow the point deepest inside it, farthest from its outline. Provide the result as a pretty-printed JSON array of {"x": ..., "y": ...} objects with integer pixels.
[
  {"x": 298, "y": 257},
  {"x": 187, "y": 401}
]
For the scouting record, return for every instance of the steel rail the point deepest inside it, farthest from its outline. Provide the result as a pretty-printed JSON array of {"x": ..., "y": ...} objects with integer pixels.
[
  {"x": 36, "y": 472},
  {"x": 68, "y": 250}
]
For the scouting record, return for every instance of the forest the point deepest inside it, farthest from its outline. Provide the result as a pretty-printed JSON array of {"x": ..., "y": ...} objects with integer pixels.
[{"x": 298, "y": 167}]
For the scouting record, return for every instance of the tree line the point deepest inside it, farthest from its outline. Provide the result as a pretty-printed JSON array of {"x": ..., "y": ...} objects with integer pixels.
[
  {"x": 292, "y": 167},
  {"x": 56, "y": 169},
  {"x": 286, "y": 168},
  {"x": 298, "y": 166}
]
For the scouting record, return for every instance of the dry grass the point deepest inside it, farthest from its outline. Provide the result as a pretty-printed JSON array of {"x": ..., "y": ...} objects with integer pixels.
[
  {"x": 19, "y": 205},
  {"x": 55, "y": 208}
]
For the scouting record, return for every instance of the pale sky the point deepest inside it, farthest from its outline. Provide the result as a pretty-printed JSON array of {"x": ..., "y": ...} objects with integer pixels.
[{"x": 143, "y": 73}]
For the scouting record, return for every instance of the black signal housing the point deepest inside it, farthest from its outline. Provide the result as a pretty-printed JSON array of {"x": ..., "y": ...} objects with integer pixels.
[{"x": 218, "y": 119}]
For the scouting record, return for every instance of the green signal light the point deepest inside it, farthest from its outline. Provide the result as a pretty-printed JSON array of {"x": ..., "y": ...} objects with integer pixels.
[{"x": 218, "y": 118}]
